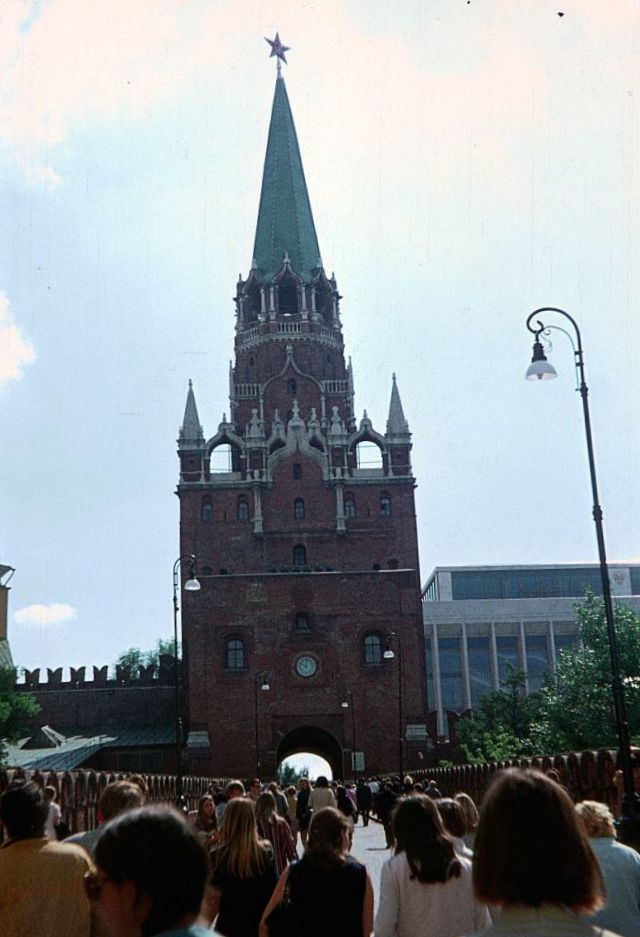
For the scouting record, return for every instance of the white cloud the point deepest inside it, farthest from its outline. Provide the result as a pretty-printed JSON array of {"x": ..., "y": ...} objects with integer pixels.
[
  {"x": 46, "y": 615},
  {"x": 16, "y": 350}
]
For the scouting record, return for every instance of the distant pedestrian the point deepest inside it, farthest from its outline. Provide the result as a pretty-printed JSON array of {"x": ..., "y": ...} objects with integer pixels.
[
  {"x": 386, "y": 802},
  {"x": 321, "y": 795},
  {"x": 345, "y": 805},
  {"x": 471, "y": 817},
  {"x": 116, "y": 798},
  {"x": 431, "y": 790},
  {"x": 303, "y": 811},
  {"x": 275, "y": 828},
  {"x": 280, "y": 799},
  {"x": 364, "y": 799},
  {"x": 53, "y": 812},
  {"x": 204, "y": 821},
  {"x": 455, "y": 824}
]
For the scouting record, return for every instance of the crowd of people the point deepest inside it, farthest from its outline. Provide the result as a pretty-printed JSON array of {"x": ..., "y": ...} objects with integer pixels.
[{"x": 258, "y": 861}]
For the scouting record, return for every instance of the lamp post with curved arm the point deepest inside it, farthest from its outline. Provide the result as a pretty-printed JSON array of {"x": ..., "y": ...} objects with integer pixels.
[
  {"x": 263, "y": 680},
  {"x": 389, "y": 655},
  {"x": 191, "y": 585},
  {"x": 540, "y": 370}
]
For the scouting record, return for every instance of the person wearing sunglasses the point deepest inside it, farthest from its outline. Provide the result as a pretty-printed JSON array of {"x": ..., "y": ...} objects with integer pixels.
[{"x": 150, "y": 876}]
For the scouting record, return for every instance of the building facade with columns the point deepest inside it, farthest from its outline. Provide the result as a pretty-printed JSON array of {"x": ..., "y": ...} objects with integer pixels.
[
  {"x": 480, "y": 619},
  {"x": 302, "y": 519}
]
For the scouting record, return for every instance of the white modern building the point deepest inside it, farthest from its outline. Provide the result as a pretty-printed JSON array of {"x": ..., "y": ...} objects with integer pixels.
[{"x": 479, "y": 619}]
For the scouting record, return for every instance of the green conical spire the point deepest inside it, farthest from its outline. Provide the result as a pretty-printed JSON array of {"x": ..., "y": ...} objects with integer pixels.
[{"x": 285, "y": 223}]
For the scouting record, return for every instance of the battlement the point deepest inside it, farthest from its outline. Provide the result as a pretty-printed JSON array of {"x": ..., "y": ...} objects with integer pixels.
[{"x": 151, "y": 675}]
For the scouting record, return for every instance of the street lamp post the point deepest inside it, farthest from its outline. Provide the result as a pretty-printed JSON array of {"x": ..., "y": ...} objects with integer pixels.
[
  {"x": 348, "y": 704},
  {"x": 191, "y": 585},
  {"x": 540, "y": 370},
  {"x": 262, "y": 679},
  {"x": 389, "y": 655}
]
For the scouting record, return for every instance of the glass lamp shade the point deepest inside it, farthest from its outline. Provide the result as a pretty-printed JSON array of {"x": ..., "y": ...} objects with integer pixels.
[
  {"x": 388, "y": 654},
  {"x": 265, "y": 686},
  {"x": 345, "y": 705},
  {"x": 192, "y": 585},
  {"x": 540, "y": 369}
]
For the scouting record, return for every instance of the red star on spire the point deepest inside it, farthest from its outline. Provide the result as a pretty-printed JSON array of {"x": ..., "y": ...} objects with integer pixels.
[{"x": 278, "y": 49}]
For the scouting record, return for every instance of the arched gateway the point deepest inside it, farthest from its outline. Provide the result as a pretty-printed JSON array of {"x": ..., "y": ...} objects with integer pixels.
[{"x": 316, "y": 741}]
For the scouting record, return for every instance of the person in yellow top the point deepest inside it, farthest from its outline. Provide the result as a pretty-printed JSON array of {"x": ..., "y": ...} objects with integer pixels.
[{"x": 42, "y": 890}]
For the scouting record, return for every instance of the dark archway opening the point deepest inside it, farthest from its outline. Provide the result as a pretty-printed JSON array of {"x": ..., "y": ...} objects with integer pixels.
[{"x": 314, "y": 740}]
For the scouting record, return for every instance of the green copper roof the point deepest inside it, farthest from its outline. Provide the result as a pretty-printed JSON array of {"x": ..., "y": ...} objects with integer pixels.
[{"x": 285, "y": 223}]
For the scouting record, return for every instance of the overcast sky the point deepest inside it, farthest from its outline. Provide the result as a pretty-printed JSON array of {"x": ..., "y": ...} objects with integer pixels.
[{"x": 467, "y": 162}]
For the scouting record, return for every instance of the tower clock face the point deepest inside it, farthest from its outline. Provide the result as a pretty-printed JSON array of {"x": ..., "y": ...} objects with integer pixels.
[{"x": 306, "y": 666}]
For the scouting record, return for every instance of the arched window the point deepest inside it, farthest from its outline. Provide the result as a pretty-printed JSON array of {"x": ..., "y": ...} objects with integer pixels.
[
  {"x": 349, "y": 506},
  {"x": 243, "y": 509},
  {"x": 385, "y": 505},
  {"x": 206, "y": 511},
  {"x": 368, "y": 455},
  {"x": 302, "y": 622},
  {"x": 372, "y": 649},
  {"x": 299, "y": 555},
  {"x": 297, "y": 470},
  {"x": 235, "y": 654},
  {"x": 298, "y": 509},
  {"x": 292, "y": 387},
  {"x": 221, "y": 459}
]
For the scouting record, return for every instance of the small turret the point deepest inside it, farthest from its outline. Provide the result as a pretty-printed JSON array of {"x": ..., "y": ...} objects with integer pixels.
[
  {"x": 396, "y": 423},
  {"x": 191, "y": 434}
]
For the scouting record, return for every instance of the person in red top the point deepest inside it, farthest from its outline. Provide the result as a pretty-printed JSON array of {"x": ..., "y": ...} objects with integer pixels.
[{"x": 276, "y": 830}]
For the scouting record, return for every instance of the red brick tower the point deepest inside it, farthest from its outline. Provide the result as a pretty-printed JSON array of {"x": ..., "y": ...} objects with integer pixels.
[{"x": 306, "y": 545}]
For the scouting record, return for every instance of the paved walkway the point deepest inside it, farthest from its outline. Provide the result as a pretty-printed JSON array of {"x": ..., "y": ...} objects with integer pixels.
[{"x": 369, "y": 848}]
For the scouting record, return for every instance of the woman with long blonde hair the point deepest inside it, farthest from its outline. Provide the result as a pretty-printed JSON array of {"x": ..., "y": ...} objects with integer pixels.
[{"x": 244, "y": 875}]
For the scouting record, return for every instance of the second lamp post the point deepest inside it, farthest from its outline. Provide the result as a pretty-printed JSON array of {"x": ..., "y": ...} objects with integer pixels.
[{"x": 389, "y": 655}]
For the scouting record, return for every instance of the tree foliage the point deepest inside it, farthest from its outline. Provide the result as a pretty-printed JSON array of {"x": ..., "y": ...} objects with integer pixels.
[
  {"x": 16, "y": 709},
  {"x": 573, "y": 710},
  {"x": 131, "y": 660},
  {"x": 289, "y": 774},
  {"x": 576, "y": 706},
  {"x": 499, "y": 727}
]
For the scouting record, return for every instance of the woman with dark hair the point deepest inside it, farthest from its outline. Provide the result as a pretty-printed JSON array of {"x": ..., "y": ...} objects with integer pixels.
[
  {"x": 150, "y": 878},
  {"x": 276, "y": 830},
  {"x": 329, "y": 893},
  {"x": 532, "y": 859},
  {"x": 204, "y": 820},
  {"x": 426, "y": 888},
  {"x": 243, "y": 872},
  {"x": 345, "y": 804},
  {"x": 455, "y": 824}
]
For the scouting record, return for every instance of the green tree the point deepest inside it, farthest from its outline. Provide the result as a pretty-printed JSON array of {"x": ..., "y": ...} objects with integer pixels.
[
  {"x": 16, "y": 709},
  {"x": 576, "y": 704},
  {"x": 289, "y": 774},
  {"x": 499, "y": 727},
  {"x": 134, "y": 658}
]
